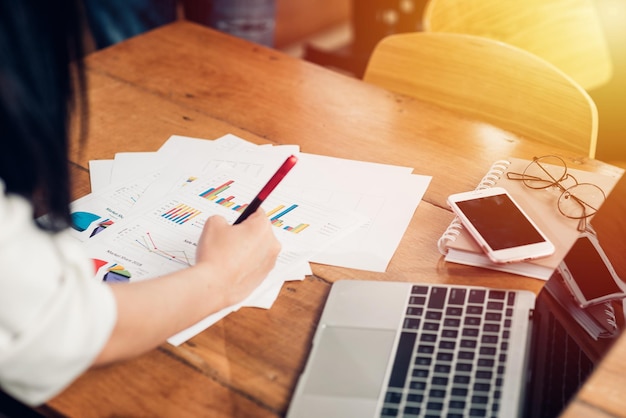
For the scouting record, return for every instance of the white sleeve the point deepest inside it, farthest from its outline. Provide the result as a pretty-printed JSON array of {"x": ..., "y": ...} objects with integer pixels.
[{"x": 55, "y": 318}]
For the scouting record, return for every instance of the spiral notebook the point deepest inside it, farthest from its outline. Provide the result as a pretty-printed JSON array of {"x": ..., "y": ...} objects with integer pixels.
[{"x": 458, "y": 246}]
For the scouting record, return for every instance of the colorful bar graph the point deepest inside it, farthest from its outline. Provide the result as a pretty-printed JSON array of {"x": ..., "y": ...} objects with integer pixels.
[
  {"x": 227, "y": 202},
  {"x": 297, "y": 228},
  {"x": 275, "y": 214},
  {"x": 211, "y": 194},
  {"x": 180, "y": 214},
  {"x": 284, "y": 212},
  {"x": 279, "y": 211}
]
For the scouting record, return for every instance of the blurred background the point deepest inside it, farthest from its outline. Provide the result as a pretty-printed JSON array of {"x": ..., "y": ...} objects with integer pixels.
[
  {"x": 340, "y": 34},
  {"x": 353, "y": 27}
]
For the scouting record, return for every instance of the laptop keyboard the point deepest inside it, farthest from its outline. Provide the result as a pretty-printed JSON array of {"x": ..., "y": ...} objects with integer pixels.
[{"x": 451, "y": 354}]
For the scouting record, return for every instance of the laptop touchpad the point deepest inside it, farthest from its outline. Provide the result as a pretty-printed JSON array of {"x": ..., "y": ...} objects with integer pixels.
[{"x": 349, "y": 362}]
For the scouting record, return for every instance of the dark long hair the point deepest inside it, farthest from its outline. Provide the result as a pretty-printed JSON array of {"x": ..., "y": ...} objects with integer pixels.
[{"x": 41, "y": 83}]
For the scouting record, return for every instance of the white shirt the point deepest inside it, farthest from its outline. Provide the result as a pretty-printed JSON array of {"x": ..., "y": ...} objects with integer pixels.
[{"x": 55, "y": 318}]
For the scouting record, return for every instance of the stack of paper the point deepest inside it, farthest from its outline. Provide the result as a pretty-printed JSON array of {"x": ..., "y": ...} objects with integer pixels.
[{"x": 146, "y": 210}]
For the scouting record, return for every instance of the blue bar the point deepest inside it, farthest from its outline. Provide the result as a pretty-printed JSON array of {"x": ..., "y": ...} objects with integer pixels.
[
  {"x": 184, "y": 218},
  {"x": 289, "y": 209},
  {"x": 206, "y": 192}
]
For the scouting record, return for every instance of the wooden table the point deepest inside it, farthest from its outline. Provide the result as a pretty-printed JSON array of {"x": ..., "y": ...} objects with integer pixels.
[{"x": 188, "y": 80}]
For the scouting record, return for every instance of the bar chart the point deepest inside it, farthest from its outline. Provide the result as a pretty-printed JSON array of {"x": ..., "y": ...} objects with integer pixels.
[
  {"x": 278, "y": 212},
  {"x": 220, "y": 196},
  {"x": 213, "y": 194},
  {"x": 180, "y": 214}
]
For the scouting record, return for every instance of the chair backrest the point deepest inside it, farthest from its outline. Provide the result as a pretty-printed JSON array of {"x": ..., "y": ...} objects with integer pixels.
[
  {"x": 489, "y": 81},
  {"x": 567, "y": 33}
]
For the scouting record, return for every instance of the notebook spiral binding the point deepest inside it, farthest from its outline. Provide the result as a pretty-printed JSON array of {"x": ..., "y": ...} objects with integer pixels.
[{"x": 490, "y": 179}]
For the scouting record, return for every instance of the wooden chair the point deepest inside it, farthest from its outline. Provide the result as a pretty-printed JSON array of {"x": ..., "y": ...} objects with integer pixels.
[
  {"x": 489, "y": 81},
  {"x": 567, "y": 33}
]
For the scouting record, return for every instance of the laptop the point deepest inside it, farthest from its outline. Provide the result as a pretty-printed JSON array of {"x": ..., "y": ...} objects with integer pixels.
[
  {"x": 396, "y": 349},
  {"x": 426, "y": 350}
]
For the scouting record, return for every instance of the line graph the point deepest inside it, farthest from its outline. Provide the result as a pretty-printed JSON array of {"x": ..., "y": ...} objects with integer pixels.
[{"x": 148, "y": 243}]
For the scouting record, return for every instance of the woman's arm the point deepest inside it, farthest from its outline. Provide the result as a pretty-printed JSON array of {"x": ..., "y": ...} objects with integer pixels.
[{"x": 231, "y": 262}]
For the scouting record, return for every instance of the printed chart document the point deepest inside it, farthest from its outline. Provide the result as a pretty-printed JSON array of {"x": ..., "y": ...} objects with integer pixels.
[
  {"x": 163, "y": 239},
  {"x": 145, "y": 217},
  {"x": 162, "y": 174},
  {"x": 387, "y": 195}
]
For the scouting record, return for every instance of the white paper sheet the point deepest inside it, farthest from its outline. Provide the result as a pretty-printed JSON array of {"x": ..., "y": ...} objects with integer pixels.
[
  {"x": 365, "y": 206},
  {"x": 163, "y": 239}
]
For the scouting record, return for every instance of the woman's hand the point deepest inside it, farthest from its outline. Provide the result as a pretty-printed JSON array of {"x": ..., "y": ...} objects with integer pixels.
[
  {"x": 231, "y": 261},
  {"x": 245, "y": 253}
]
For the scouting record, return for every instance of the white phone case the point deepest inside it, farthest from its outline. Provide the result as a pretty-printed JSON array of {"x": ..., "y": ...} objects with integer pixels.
[{"x": 500, "y": 226}]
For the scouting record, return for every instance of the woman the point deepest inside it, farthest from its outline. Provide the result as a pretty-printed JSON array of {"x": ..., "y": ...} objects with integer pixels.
[{"x": 55, "y": 320}]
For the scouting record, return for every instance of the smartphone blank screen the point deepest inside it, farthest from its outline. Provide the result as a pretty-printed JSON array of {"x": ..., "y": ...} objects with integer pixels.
[
  {"x": 500, "y": 222},
  {"x": 589, "y": 270}
]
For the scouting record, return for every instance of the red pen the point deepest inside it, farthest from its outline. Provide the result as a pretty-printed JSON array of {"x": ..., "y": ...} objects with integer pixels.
[{"x": 267, "y": 189}]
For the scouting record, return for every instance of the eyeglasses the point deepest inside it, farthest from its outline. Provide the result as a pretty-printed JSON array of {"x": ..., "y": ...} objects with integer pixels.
[{"x": 576, "y": 201}]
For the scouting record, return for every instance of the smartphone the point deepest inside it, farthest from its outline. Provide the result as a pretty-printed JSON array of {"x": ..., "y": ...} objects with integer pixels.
[
  {"x": 500, "y": 226},
  {"x": 589, "y": 274}
]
